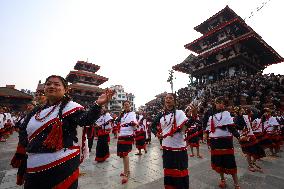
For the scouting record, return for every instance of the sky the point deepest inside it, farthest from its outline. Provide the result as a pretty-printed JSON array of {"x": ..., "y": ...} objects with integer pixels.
[{"x": 136, "y": 42}]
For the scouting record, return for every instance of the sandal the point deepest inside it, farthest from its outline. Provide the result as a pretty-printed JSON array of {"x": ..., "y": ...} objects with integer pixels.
[
  {"x": 199, "y": 156},
  {"x": 258, "y": 168},
  {"x": 222, "y": 183},
  {"x": 124, "y": 174},
  {"x": 251, "y": 168},
  {"x": 125, "y": 179},
  {"x": 237, "y": 187},
  {"x": 191, "y": 155}
]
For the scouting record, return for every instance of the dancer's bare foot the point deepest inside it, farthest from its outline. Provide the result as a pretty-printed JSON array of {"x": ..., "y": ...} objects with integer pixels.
[{"x": 222, "y": 183}]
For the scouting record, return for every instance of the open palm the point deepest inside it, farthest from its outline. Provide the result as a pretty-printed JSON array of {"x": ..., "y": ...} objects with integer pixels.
[{"x": 105, "y": 97}]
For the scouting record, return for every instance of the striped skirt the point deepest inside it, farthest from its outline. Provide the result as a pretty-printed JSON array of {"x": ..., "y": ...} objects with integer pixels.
[
  {"x": 61, "y": 176},
  {"x": 252, "y": 148},
  {"x": 263, "y": 140},
  {"x": 102, "y": 149},
  {"x": 175, "y": 164},
  {"x": 193, "y": 137},
  {"x": 276, "y": 139},
  {"x": 140, "y": 138},
  {"x": 222, "y": 155},
  {"x": 124, "y": 145}
]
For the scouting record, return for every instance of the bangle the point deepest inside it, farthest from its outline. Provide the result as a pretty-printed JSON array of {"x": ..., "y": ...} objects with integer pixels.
[{"x": 97, "y": 104}]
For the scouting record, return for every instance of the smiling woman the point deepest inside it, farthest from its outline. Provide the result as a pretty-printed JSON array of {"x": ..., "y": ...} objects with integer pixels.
[
  {"x": 128, "y": 124},
  {"x": 55, "y": 88},
  {"x": 170, "y": 126},
  {"x": 48, "y": 155}
]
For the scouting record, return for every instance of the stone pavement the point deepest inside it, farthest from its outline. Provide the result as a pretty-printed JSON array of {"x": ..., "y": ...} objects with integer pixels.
[{"x": 146, "y": 170}]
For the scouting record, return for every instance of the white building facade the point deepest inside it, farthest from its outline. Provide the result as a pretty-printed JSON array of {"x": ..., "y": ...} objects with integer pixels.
[{"x": 116, "y": 104}]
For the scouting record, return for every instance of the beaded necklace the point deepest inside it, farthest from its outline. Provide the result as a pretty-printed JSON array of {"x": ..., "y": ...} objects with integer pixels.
[
  {"x": 124, "y": 118},
  {"x": 165, "y": 120},
  {"x": 220, "y": 117},
  {"x": 37, "y": 115}
]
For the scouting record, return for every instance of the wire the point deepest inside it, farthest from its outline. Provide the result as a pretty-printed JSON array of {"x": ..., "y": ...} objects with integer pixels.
[{"x": 258, "y": 8}]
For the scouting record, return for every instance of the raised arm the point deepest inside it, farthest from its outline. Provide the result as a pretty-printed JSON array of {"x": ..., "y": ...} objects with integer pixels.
[{"x": 84, "y": 118}]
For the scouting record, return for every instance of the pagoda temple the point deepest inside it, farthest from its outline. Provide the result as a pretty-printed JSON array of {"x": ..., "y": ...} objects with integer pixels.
[
  {"x": 228, "y": 47},
  {"x": 14, "y": 99},
  {"x": 84, "y": 87}
]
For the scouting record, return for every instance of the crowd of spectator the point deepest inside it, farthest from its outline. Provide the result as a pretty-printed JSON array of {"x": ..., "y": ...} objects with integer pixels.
[{"x": 258, "y": 90}]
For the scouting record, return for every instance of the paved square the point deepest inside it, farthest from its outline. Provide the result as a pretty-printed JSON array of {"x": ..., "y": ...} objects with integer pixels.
[{"x": 147, "y": 172}]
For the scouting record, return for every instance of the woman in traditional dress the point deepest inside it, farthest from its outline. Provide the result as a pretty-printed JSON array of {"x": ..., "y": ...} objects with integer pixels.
[
  {"x": 128, "y": 124},
  {"x": 248, "y": 141},
  {"x": 148, "y": 130},
  {"x": 194, "y": 129},
  {"x": 115, "y": 125},
  {"x": 8, "y": 122},
  {"x": 2, "y": 129},
  {"x": 221, "y": 129},
  {"x": 170, "y": 125},
  {"x": 140, "y": 135},
  {"x": 271, "y": 129},
  {"x": 280, "y": 120},
  {"x": 48, "y": 155},
  {"x": 258, "y": 130},
  {"x": 104, "y": 125}
]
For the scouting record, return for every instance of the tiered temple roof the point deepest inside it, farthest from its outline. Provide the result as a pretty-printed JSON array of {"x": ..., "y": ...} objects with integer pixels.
[
  {"x": 227, "y": 42},
  {"x": 13, "y": 98},
  {"x": 223, "y": 15},
  {"x": 85, "y": 66},
  {"x": 85, "y": 83},
  {"x": 86, "y": 77},
  {"x": 9, "y": 92}
]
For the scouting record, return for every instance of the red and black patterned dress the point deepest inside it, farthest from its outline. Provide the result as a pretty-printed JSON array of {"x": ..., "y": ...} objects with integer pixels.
[
  {"x": 125, "y": 140},
  {"x": 104, "y": 129},
  {"x": 140, "y": 134},
  {"x": 193, "y": 131},
  {"x": 48, "y": 154},
  {"x": 249, "y": 142},
  {"x": 170, "y": 126},
  {"x": 220, "y": 127}
]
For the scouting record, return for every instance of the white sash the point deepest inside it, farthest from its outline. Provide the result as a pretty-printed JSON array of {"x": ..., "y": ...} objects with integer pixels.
[
  {"x": 41, "y": 161},
  {"x": 249, "y": 129},
  {"x": 34, "y": 127},
  {"x": 172, "y": 139},
  {"x": 126, "y": 119},
  {"x": 168, "y": 120},
  {"x": 104, "y": 119},
  {"x": 220, "y": 119},
  {"x": 256, "y": 126}
]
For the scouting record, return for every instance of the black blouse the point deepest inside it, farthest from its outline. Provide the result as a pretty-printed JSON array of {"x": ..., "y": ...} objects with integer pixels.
[{"x": 70, "y": 123}]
